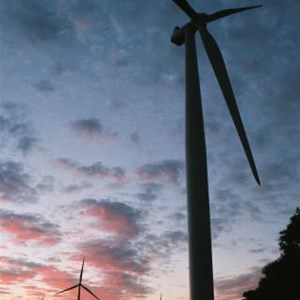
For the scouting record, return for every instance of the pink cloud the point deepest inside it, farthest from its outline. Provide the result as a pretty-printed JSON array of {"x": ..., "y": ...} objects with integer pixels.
[
  {"x": 122, "y": 268},
  {"x": 119, "y": 266},
  {"x": 122, "y": 286},
  {"x": 114, "y": 217},
  {"x": 30, "y": 275},
  {"x": 56, "y": 278},
  {"x": 26, "y": 227},
  {"x": 232, "y": 288},
  {"x": 12, "y": 276},
  {"x": 96, "y": 170}
]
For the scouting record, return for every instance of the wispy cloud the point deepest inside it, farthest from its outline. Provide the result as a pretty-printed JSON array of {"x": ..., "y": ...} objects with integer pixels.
[
  {"x": 25, "y": 228},
  {"x": 92, "y": 128},
  {"x": 36, "y": 21},
  {"x": 47, "y": 184},
  {"x": 176, "y": 236},
  {"x": 232, "y": 288},
  {"x": 124, "y": 285},
  {"x": 16, "y": 129},
  {"x": 44, "y": 86},
  {"x": 72, "y": 188},
  {"x": 14, "y": 271},
  {"x": 149, "y": 191},
  {"x": 135, "y": 138},
  {"x": 122, "y": 265},
  {"x": 97, "y": 169},
  {"x": 27, "y": 274},
  {"x": 158, "y": 246},
  {"x": 15, "y": 183},
  {"x": 115, "y": 255},
  {"x": 117, "y": 218},
  {"x": 168, "y": 170}
]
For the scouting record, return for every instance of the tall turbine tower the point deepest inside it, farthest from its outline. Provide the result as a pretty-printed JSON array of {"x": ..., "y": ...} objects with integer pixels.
[{"x": 200, "y": 254}]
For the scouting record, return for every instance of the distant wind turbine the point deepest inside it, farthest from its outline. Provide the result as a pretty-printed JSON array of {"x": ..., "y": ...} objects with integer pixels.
[
  {"x": 79, "y": 286},
  {"x": 200, "y": 254}
]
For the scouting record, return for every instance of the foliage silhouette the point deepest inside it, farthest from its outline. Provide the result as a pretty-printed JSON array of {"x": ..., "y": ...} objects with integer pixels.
[{"x": 282, "y": 276}]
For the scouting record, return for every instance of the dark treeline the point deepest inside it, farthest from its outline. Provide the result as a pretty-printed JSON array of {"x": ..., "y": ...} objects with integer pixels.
[{"x": 281, "y": 279}]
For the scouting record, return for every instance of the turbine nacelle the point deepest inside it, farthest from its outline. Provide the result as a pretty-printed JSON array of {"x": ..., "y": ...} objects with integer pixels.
[
  {"x": 198, "y": 22},
  {"x": 178, "y": 35}
]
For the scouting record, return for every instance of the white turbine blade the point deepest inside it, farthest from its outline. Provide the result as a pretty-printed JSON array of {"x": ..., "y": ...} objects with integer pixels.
[
  {"x": 68, "y": 289},
  {"x": 90, "y": 292}
]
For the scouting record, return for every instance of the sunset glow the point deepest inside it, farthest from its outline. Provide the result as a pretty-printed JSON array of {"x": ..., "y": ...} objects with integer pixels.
[{"x": 92, "y": 147}]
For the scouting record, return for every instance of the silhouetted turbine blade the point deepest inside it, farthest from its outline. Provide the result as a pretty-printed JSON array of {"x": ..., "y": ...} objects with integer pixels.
[
  {"x": 68, "y": 289},
  {"x": 90, "y": 292},
  {"x": 226, "y": 12},
  {"x": 81, "y": 272},
  {"x": 219, "y": 68},
  {"x": 183, "y": 4}
]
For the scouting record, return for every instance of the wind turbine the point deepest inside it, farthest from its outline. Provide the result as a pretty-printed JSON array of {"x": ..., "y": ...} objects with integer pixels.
[
  {"x": 79, "y": 286},
  {"x": 200, "y": 254}
]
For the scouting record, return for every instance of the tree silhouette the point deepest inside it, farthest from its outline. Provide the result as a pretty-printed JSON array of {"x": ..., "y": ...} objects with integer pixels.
[{"x": 282, "y": 276}]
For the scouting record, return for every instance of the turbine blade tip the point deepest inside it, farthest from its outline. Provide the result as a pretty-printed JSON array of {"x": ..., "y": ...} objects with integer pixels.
[{"x": 258, "y": 181}]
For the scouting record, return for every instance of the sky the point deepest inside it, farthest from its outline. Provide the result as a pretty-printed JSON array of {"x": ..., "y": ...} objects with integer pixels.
[{"x": 92, "y": 146}]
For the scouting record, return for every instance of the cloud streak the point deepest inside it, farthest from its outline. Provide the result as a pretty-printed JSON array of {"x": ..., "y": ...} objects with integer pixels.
[
  {"x": 97, "y": 170},
  {"x": 233, "y": 287},
  {"x": 150, "y": 191},
  {"x": 38, "y": 22},
  {"x": 73, "y": 188},
  {"x": 25, "y": 228},
  {"x": 168, "y": 170},
  {"x": 15, "y": 183},
  {"x": 27, "y": 274},
  {"x": 117, "y": 218},
  {"x": 123, "y": 266},
  {"x": 14, "y": 128},
  {"x": 92, "y": 128}
]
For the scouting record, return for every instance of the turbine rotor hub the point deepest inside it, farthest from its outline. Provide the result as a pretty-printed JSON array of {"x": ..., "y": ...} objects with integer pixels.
[{"x": 201, "y": 20}]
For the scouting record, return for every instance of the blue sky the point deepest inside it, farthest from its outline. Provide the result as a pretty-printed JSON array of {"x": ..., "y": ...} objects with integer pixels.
[{"x": 92, "y": 146}]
